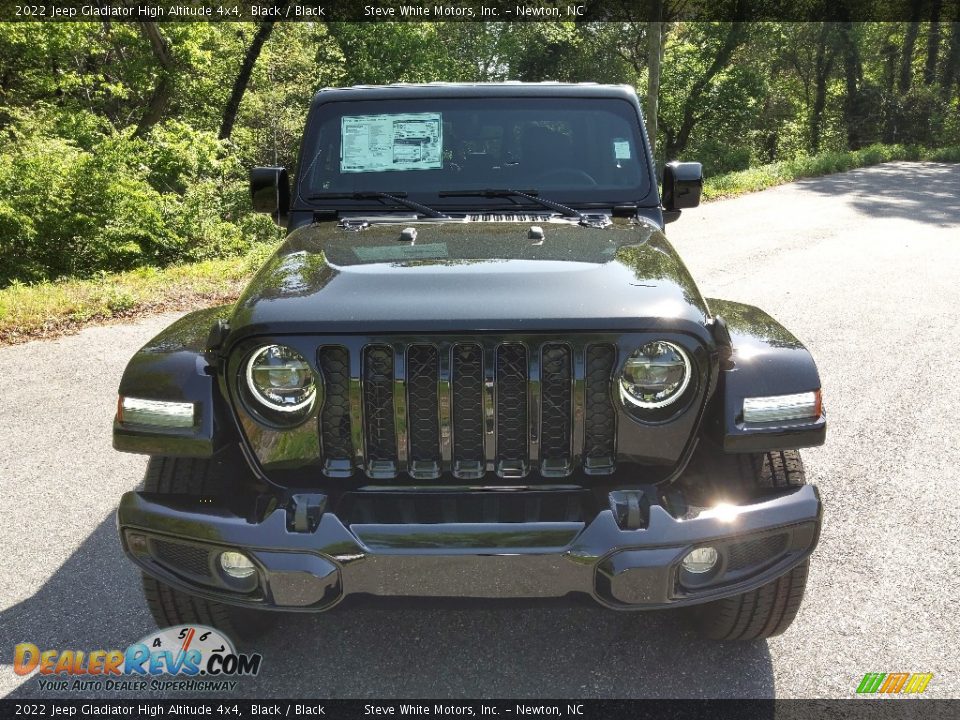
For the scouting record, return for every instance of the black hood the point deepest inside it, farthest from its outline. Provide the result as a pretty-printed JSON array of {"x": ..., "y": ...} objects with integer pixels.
[{"x": 471, "y": 276}]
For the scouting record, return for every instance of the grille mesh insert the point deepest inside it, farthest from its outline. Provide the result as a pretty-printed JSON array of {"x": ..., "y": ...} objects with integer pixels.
[
  {"x": 378, "y": 403},
  {"x": 423, "y": 368},
  {"x": 478, "y": 507},
  {"x": 756, "y": 552},
  {"x": 599, "y": 420},
  {"x": 512, "y": 403},
  {"x": 467, "y": 391},
  {"x": 556, "y": 398},
  {"x": 185, "y": 559},
  {"x": 335, "y": 415}
]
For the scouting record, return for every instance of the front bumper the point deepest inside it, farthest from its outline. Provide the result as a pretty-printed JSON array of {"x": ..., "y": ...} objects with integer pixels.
[{"x": 308, "y": 559}]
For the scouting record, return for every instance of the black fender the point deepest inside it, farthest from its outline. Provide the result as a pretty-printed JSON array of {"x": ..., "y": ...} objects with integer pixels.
[
  {"x": 763, "y": 358},
  {"x": 177, "y": 366}
]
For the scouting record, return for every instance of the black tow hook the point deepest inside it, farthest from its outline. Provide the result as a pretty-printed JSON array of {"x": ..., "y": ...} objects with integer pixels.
[
  {"x": 631, "y": 509},
  {"x": 304, "y": 511}
]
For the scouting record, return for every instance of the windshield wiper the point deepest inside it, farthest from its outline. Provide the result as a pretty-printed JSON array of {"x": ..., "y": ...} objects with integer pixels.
[
  {"x": 532, "y": 195},
  {"x": 400, "y": 198}
]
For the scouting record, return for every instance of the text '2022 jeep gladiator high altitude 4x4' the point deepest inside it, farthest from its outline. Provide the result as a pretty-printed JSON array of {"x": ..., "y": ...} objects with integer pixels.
[{"x": 474, "y": 368}]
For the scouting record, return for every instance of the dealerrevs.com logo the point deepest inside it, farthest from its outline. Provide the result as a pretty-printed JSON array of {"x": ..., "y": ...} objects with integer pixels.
[
  {"x": 894, "y": 683},
  {"x": 183, "y": 657}
]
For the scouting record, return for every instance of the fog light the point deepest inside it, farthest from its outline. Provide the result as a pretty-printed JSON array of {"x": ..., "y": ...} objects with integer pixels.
[
  {"x": 700, "y": 561},
  {"x": 237, "y": 565},
  {"x": 137, "y": 543}
]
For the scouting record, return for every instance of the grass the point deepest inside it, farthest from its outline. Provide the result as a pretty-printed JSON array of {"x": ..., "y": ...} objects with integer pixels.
[
  {"x": 28, "y": 312},
  {"x": 49, "y": 309},
  {"x": 778, "y": 173}
]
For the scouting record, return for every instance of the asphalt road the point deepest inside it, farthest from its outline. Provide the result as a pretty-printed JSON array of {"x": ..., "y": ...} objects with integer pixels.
[{"x": 863, "y": 266}]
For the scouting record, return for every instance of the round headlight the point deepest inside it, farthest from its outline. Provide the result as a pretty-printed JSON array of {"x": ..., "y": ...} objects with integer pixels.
[
  {"x": 655, "y": 375},
  {"x": 280, "y": 379}
]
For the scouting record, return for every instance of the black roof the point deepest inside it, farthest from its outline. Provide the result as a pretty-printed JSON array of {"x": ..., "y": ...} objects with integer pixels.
[{"x": 474, "y": 90}]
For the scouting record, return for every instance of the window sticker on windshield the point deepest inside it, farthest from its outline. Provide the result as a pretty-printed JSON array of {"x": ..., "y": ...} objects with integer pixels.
[
  {"x": 379, "y": 143},
  {"x": 621, "y": 149}
]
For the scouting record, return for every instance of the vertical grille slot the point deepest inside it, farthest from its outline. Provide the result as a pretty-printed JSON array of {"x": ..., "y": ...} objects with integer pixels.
[
  {"x": 423, "y": 368},
  {"x": 467, "y": 382},
  {"x": 556, "y": 405},
  {"x": 511, "y": 410},
  {"x": 335, "y": 428},
  {"x": 599, "y": 417},
  {"x": 381, "y": 439}
]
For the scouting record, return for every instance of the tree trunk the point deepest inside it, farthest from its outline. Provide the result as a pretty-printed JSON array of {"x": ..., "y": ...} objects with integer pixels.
[
  {"x": 891, "y": 106},
  {"x": 243, "y": 76},
  {"x": 163, "y": 90},
  {"x": 736, "y": 35},
  {"x": 852, "y": 74},
  {"x": 909, "y": 43},
  {"x": 951, "y": 62},
  {"x": 824, "y": 64},
  {"x": 906, "y": 60},
  {"x": 933, "y": 44},
  {"x": 654, "y": 38}
]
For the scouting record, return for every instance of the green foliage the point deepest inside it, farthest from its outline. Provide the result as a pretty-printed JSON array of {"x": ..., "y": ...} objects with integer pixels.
[
  {"x": 90, "y": 183},
  {"x": 777, "y": 173},
  {"x": 177, "y": 195},
  {"x": 947, "y": 154},
  {"x": 35, "y": 310}
]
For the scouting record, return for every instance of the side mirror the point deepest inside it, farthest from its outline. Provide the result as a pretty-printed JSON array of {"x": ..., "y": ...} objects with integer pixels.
[
  {"x": 270, "y": 191},
  {"x": 682, "y": 184}
]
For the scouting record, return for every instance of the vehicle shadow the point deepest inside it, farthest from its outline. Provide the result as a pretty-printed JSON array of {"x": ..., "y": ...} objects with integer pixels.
[
  {"x": 408, "y": 649},
  {"x": 932, "y": 196}
]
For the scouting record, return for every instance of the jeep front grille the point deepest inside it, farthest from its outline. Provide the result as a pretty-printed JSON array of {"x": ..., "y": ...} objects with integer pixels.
[{"x": 467, "y": 407}]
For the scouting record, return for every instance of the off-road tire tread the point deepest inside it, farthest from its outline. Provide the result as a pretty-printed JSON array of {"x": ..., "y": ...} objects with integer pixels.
[
  {"x": 712, "y": 473},
  {"x": 187, "y": 476},
  {"x": 778, "y": 469},
  {"x": 770, "y": 609}
]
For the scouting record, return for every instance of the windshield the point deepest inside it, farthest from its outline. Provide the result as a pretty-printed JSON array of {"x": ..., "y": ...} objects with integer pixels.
[{"x": 578, "y": 151}]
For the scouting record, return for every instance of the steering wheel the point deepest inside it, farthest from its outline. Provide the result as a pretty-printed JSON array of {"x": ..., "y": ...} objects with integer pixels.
[{"x": 544, "y": 177}]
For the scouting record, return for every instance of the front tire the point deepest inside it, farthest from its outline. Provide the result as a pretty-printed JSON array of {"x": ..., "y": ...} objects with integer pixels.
[
  {"x": 770, "y": 609},
  {"x": 169, "y": 606},
  {"x": 759, "y": 614}
]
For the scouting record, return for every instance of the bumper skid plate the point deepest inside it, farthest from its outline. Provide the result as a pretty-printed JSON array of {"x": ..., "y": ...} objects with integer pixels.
[{"x": 179, "y": 541}]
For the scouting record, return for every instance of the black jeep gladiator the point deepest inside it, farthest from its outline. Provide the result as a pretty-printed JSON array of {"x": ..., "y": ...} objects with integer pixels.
[{"x": 474, "y": 368}]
